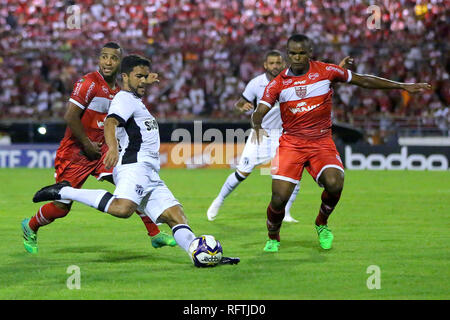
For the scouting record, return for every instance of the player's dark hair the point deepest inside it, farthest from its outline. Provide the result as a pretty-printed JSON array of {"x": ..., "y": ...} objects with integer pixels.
[
  {"x": 131, "y": 61},
  {"x": 113, "y": 45},
  {"x": 300, "y": 38},
  {"x": 273, "y": 53}
]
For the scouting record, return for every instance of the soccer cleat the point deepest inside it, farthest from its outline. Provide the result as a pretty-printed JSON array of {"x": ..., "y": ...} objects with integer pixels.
[
  {"x": 325, "y": 236},
  {"x": 50, "y": 192},
  {"x": 230, "y": 260},
  {"x": 163, "y": 239},
  {"x": 288, "y": 218},
  {"x": 213, "y": 210},
  {"x": 272, "y": 245},
  {"x": 29, "y": 237}
]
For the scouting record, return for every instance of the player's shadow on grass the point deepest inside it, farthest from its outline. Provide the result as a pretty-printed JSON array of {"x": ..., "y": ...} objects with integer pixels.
[
  {"x": 291, "y": 250},
  {"x": 82, "y": 249},
  {"x": 107, "y": 254}
]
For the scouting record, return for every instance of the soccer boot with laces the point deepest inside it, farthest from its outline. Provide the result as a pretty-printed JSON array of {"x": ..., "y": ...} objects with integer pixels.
[
  {"x": 272, "y": 245},
  {"x": 325, "y": 237},
  {"x": 50, "y": 192},
  {"x": 163, "y": 239},
  {"x": 29, "y": 237}
]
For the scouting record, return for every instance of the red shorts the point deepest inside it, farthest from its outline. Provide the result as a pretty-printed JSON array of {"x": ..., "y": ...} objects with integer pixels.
[
  {"x": 294, "y": 154},
  {"x": 77, "y": 172}
]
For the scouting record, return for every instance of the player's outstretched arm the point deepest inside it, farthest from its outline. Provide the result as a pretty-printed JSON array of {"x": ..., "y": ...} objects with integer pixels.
[
  {"x": 374, "y": 82},
  {"x": 112, "y": 156},
  {"x": 256, "y": 121},
  {"x": 73, "y": 120}
]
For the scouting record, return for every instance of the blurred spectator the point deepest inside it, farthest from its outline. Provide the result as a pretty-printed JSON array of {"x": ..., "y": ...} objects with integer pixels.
[{"x": 207, "y": 50}]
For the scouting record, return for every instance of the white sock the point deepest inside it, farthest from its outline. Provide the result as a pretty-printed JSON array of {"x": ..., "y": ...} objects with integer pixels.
[
  {"x": 183, "y": 236},
  {"x": 230, "y": 184},
  {"x": 287, "y": 209},
  {"x": 98, "y": 199}
]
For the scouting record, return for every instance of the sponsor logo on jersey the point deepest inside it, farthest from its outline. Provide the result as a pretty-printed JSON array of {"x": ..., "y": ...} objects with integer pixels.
[
  {"x": 100, "y": 124},
  {"x": 313, "y": 76},
  {"x": 271, "y": 84},
  {"x": 287, "y": 82},
  {"x": 300, "y": 91},
  {"x": 303, "y": 107},
  {"x": 91, "y": 87},
  {"x": 299, "y": 82},
  {"x": 76, "y": 91},
  {"x": 151, "y": 124},
  {"x": 334, "y": 69}
]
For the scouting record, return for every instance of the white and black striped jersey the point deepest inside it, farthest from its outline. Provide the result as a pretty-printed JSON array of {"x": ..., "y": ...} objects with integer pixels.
[
  {"x": 253, "y": 93},
  {"x": 138, "y": 132}
]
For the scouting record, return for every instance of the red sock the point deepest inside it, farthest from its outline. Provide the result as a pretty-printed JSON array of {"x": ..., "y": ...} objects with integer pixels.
[
  {"x": 329, "y": 202},
  {"x": 274, "y": 220},
  {"x": 152, "y": 228},
  {"x": 46, "y": 214}
]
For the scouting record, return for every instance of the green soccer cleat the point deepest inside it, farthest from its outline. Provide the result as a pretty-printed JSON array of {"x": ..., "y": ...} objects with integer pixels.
[
  {"x": 325, "y": 237},
  {"x": 29, "y": 237},
  {"x": 272, "y": 245},
  {"x": 163, "y": 239}
]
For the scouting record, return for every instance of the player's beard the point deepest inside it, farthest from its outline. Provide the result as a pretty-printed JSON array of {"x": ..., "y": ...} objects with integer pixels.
[
  {"x": 274, "y": 72},
  {"x": 134, "y": 90}
]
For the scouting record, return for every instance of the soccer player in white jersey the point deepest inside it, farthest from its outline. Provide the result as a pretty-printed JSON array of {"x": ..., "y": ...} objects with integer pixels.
[
  {"x": 134, "y": 154},
  {"x": 255, "y": 154}
]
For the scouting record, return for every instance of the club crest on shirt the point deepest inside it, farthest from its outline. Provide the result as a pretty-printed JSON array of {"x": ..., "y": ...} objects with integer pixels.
[
  {"x": 105, "y": 89},
  {"x": 139, "y": 189},
  {"x": 300, "y": 91}
]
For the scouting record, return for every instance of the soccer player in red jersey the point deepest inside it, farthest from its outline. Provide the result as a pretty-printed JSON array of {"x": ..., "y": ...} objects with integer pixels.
[
  {"x": 82, "y": 150},
  {"x": 304, "y": 93}
]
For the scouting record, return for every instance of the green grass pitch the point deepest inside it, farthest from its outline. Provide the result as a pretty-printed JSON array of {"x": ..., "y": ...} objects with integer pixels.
[{"x": 396, "y": 220}]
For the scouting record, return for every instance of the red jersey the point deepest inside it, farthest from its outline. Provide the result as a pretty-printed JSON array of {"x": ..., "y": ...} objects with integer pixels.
[
  {"x": 92, "y": 94},
  {"x": 305, "y": 101}
]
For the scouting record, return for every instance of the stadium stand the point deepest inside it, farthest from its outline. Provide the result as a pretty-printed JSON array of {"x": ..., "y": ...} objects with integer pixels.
[{"x": 207, "y": 50}]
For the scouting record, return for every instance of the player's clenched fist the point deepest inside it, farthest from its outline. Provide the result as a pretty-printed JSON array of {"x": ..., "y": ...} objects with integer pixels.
[{"x": 111, "y": 158}]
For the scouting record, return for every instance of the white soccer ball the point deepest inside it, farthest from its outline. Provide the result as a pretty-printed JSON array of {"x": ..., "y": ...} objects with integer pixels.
[{"x": 205, "y": 251}]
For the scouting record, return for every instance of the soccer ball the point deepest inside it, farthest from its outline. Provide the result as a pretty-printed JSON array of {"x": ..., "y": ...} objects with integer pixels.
[{"x": 205, "y": 251}]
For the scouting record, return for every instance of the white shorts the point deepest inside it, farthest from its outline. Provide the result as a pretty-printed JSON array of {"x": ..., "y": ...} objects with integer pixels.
[
  {"x": 255, "y": 154},
  {"x": 140, "y": 183}
]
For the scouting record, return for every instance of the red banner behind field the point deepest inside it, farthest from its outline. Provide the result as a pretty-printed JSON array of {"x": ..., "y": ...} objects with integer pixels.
[{"x": 200, "y": 155}]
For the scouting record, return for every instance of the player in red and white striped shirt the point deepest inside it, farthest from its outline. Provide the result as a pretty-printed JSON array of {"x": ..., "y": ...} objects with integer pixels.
[{"x": 304, "y": 93}]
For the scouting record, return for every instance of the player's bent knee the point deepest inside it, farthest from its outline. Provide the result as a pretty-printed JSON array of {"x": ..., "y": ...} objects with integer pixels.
[
  {"x": 122, "y": 208},
  {"x": 333, "y": 180},
  {"x": 243, "y": 174},
  {"x": 279, "y": 200},
  {"x": 334, "y": 183}
]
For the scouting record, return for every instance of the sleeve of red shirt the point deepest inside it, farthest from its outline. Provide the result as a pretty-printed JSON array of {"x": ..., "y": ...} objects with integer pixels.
[
  {"x": 271, "y": 93},
  {"x": 83, "y": 92},
  {"x": 338, "y": 74}
]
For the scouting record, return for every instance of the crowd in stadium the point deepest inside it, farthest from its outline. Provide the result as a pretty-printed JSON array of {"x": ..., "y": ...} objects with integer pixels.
[{"x": 207, "y": 50}]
